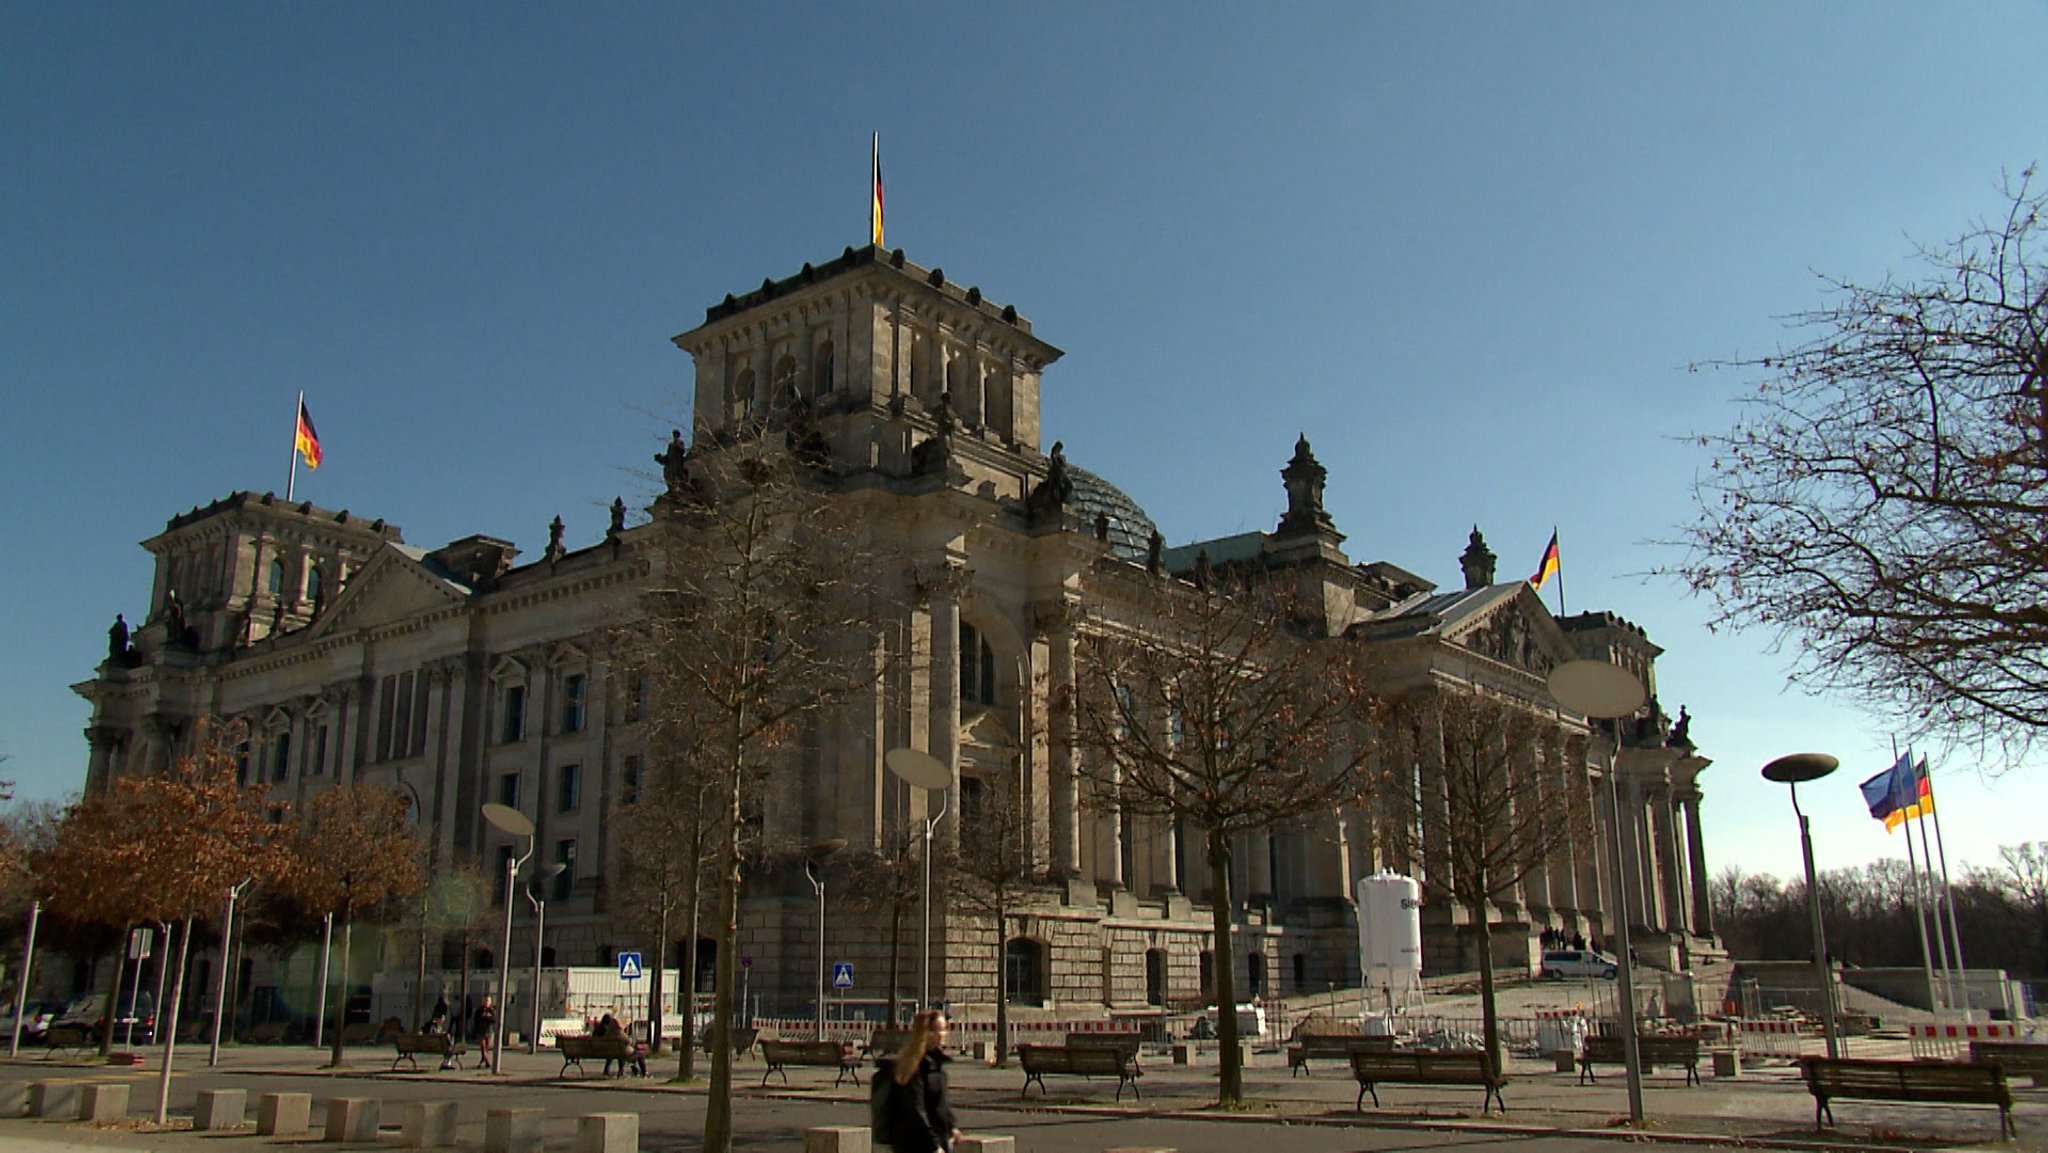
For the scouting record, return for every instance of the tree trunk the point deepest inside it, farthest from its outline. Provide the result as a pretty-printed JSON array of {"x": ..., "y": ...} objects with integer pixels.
[
  {"x": 114, "y": 990},
  {"x": 1230, "y": 1056},
  {"x": 718, "y": 1098},
  {"x": 686, "y": 981},
  {"x": 654, "y": 993},
  {"x": 348, "y": 918},
  {"x": 1002, "y": 987},
  {"x": 895, "y": 957},
  {"x": 1489, "y": 1012}
]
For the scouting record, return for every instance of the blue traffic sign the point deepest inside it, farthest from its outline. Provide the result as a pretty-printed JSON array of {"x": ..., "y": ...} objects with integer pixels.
[
  {"x": 842, "y": 974},
  {"x": 629, "y": 966}
]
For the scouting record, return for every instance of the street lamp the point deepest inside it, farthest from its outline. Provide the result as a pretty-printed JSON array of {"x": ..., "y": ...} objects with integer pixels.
[
  {"x": 1605, "y": 691},
  {"x": 1790, "y": 771},
  {"x": 812, "y": 856},
  {"x": 509, "y": 820},
  {"x": 220, "y": 993},
  {"x": 923, "y": 771},
  {"x": 540, "y": 930}
]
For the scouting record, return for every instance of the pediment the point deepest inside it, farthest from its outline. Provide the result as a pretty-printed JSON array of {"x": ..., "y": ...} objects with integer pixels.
[
  {"x": 392, "y": 588},
  {"x": 1515, "y": 629},
  {"x": 987, "y": 730}
]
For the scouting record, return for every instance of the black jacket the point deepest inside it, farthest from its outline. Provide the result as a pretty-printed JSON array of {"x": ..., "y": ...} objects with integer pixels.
[{"x": 924, "y": 1119}]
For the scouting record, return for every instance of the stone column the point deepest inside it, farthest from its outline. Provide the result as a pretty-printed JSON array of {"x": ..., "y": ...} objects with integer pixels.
[
  {"x": 945, "y": 696},
  {"x": 1696, "y": 855},
  {"x": 1675, "y": 904},
  {"x": 1063, "y": 767}
]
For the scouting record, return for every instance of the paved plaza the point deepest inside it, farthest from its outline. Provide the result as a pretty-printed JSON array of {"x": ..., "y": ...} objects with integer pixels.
[{"x": 1766, "y": 1106}]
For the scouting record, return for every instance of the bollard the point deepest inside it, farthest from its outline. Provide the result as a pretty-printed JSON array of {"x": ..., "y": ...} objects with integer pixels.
[
  {"x": 53, "y": 1099},
  {"x": 1727, "y": 1063},
  {"x": 512, "y": 1130},
  {"x": 1565, "y": 1061},
  {"x": 352, "y": 1118},
  {"x": 13, "y": 1098},
  {"x": 834, "y": 1139},
  {"x": 103, "y": 1102},
  {"x": 283, "y": 1114},
  {"x": 986, "y": 1143},
  {"x": 608, "y": 1133},
  {"x": 221, "y": 1109},
  {"x": 429, "y": 1124},
  {"x": 1183, "y": 1055}
]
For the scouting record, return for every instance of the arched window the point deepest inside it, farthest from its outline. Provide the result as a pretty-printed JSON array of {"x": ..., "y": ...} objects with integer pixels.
[
  {"x": 960, "y": 390},
  {"x": 739, "y": 399},
  {"x": 998, "y": 411},
  {"x": 1024, "y": 971},
  {"x": 822, "y": 374},
  {"x": 276, "y": 577},
  {"x": 314, "y": 583},
  {"x": 1155, "y": 976},
  {"x": 923, "y": 381},
  {"x": 1301, "y": 970},
  {"x": 977, "y": 667},
  {"x": 1255, "y": 974},
  {"x": 785, "y": 381}
]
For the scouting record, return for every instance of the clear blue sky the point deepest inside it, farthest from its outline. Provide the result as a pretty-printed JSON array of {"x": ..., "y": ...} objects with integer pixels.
[{"x": 1468, "y": 249}]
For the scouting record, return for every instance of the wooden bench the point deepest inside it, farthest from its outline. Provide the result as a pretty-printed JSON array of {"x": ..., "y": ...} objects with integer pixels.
[
  {"x": 1449, "y": 1067},
  {"x": 742, "y": 1040},
  {"x": 67, "y": 1037},
  {"x": 577, "y": 1048},
  {"x": 1096, "y": 1061},
  {"x": 1124, "y": 1045},
  {"x": 411, "y": 1045},
  {"x": 268, "y": 1033},
  {"x": 817, "y": 1054},
  {"x": 887, "y": 1042},
  {"x": 1651, "y": 1051},
  {"x": 1937, "y": 1082},
  {"x": 1338, "y": 1046},
  {"x": 2019, "y": 1058}
]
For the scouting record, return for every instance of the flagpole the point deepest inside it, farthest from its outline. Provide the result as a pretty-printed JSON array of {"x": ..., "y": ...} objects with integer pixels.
[
  {"x": 291, "y": 478},
  {"x": 1560, "y": 572},
  {"x": 1955, "y": 932},
  {"x": 1948, "y": 978},
  {"x": 1919, "y": 904}
]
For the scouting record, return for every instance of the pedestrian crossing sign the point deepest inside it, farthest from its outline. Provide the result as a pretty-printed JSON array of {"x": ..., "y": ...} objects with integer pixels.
[
  {"x": 629, "y": 966},
  {"x": 842, "y": 975}
]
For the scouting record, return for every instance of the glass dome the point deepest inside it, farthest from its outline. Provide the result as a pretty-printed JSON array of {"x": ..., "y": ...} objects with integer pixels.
[{"x": 1130, "y": 530}]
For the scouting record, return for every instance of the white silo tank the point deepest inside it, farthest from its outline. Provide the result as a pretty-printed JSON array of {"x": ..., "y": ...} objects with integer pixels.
[{"x": 1390, "y": 932}]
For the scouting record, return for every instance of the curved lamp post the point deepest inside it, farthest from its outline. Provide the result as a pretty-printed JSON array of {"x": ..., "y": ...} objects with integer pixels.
[
  {"x": 923, "y": 771},
  {"x": 812, "y": 856},
  {"x": 507, "y": 819},
  {"x": 1606, "y": 691},
  {"x": 1790, "y": 771},
  {"x": 540, "y": 931}
]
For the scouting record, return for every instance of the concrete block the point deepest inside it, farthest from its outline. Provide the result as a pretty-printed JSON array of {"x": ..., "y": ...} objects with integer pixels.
[
  {"x": 53, "y": 1099},
  {"x": 103, "y": 1102},
  {"x": 1564, "y": 1060},
  {"x": 835, "y": 1139},
  {"x": 985, "y": 1143},
  {"x": 352, "y": 1118},
  {"x": 512, "y": 1130},
  {"x": 608, "y": 1133},
  {"x": 429, "y": 1124},
  {"x": 1727, "y": 1063},
  {"x": 283, "y": 1114},
  {"x": 1183, "y": 1054},
  {"x": 13, "y": 1098},
  {"x": 221, "y": 1109}
]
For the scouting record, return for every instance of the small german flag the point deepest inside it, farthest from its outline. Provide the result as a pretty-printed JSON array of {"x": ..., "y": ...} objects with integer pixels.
[
  {"x": 1547, "y": 568},
  {"x": 875, "y": 205},
  {"x": 308, "y": 441}
]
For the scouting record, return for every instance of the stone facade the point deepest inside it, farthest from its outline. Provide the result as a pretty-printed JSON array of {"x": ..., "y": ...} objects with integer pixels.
[{"x": 464, "y": 677}]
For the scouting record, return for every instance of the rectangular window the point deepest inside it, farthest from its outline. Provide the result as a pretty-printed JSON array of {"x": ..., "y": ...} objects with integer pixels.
[
  {"x": 569, "y": 797},
  {"x": 401, "y": 718},
  {"x": 242, "y": 763},
  {"x": 387, "y": 691},
  {"x": 636, "y": 697},
  {"x": 281, "y": 758},
  {"x": 418, "y": 742},
  {"x": 572, "y": 703},
  {"x": 508, "y": 790},
  {"x": 629, "y": 789},
  {"x": 319, "y": 764},
  {"x": 514, "y": 728},
  {"x": 565, "y": 853}
]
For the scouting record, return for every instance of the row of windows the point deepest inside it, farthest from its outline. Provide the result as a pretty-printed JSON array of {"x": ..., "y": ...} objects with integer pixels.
[
  {"x": 575, "y": 707},
  {"x": 314, "y": 586},
  {"x": 274, "y": 764},
  {"x": 564, "y": 882},
  {"x": 568, "y": 787}
]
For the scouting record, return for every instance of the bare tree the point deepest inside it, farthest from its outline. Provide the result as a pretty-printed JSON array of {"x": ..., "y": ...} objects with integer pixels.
[
  {"x": 351, "y": 849},
  {"x": 889, "y": 881},
  {"x": 2026, "y": 877},
  {"x": 993, "y": 871},
  {"x": 761, "y": 606},
  {"x": 1882, "y": 503},
  {"x": 1494, "y": 798},
  {"x": 1213, "y": 708},
  {"x": 672, "y": 821}
]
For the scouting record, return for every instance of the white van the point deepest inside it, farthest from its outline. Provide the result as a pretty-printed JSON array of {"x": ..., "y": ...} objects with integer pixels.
[{"x": 1561, "y": 963}]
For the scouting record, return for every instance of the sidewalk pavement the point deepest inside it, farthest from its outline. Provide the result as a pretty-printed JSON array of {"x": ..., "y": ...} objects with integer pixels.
[{"x": 1766, "y": 1106}]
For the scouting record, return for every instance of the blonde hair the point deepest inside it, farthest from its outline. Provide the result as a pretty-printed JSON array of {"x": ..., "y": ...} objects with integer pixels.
[{"x": 924, "y": 1029}]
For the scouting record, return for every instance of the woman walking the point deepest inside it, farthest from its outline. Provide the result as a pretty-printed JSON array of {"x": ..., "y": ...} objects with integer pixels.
[{"x": 920, "y": 1113}]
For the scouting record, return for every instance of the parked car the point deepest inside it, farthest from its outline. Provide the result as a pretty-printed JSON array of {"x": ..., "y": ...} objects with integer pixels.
[
  {"x": 35, "y": 1018},
  {"x": 1561, "y": 963},
  {"x": 134, "y": 1024}
]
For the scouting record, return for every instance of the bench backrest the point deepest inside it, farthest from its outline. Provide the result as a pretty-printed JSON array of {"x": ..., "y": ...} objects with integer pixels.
[
  {"x": 423, "y": 1042},
  {"x": 584, "y": 1045},
  {"x": 2012, "y": 1054},
  {"x": 1946, "y": 1081},
  {"x": 1046, "y": 1058},
  {"x": 803, "y": 1052},
  {"x": 1457, "y": 1065},
  {"x": 1124, "y": 1044}
]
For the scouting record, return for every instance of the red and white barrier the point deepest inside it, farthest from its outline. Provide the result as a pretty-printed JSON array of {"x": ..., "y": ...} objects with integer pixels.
[
  {"x": 1770, "y": 1037},
  {"x": 1945, "y": 1039}
]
